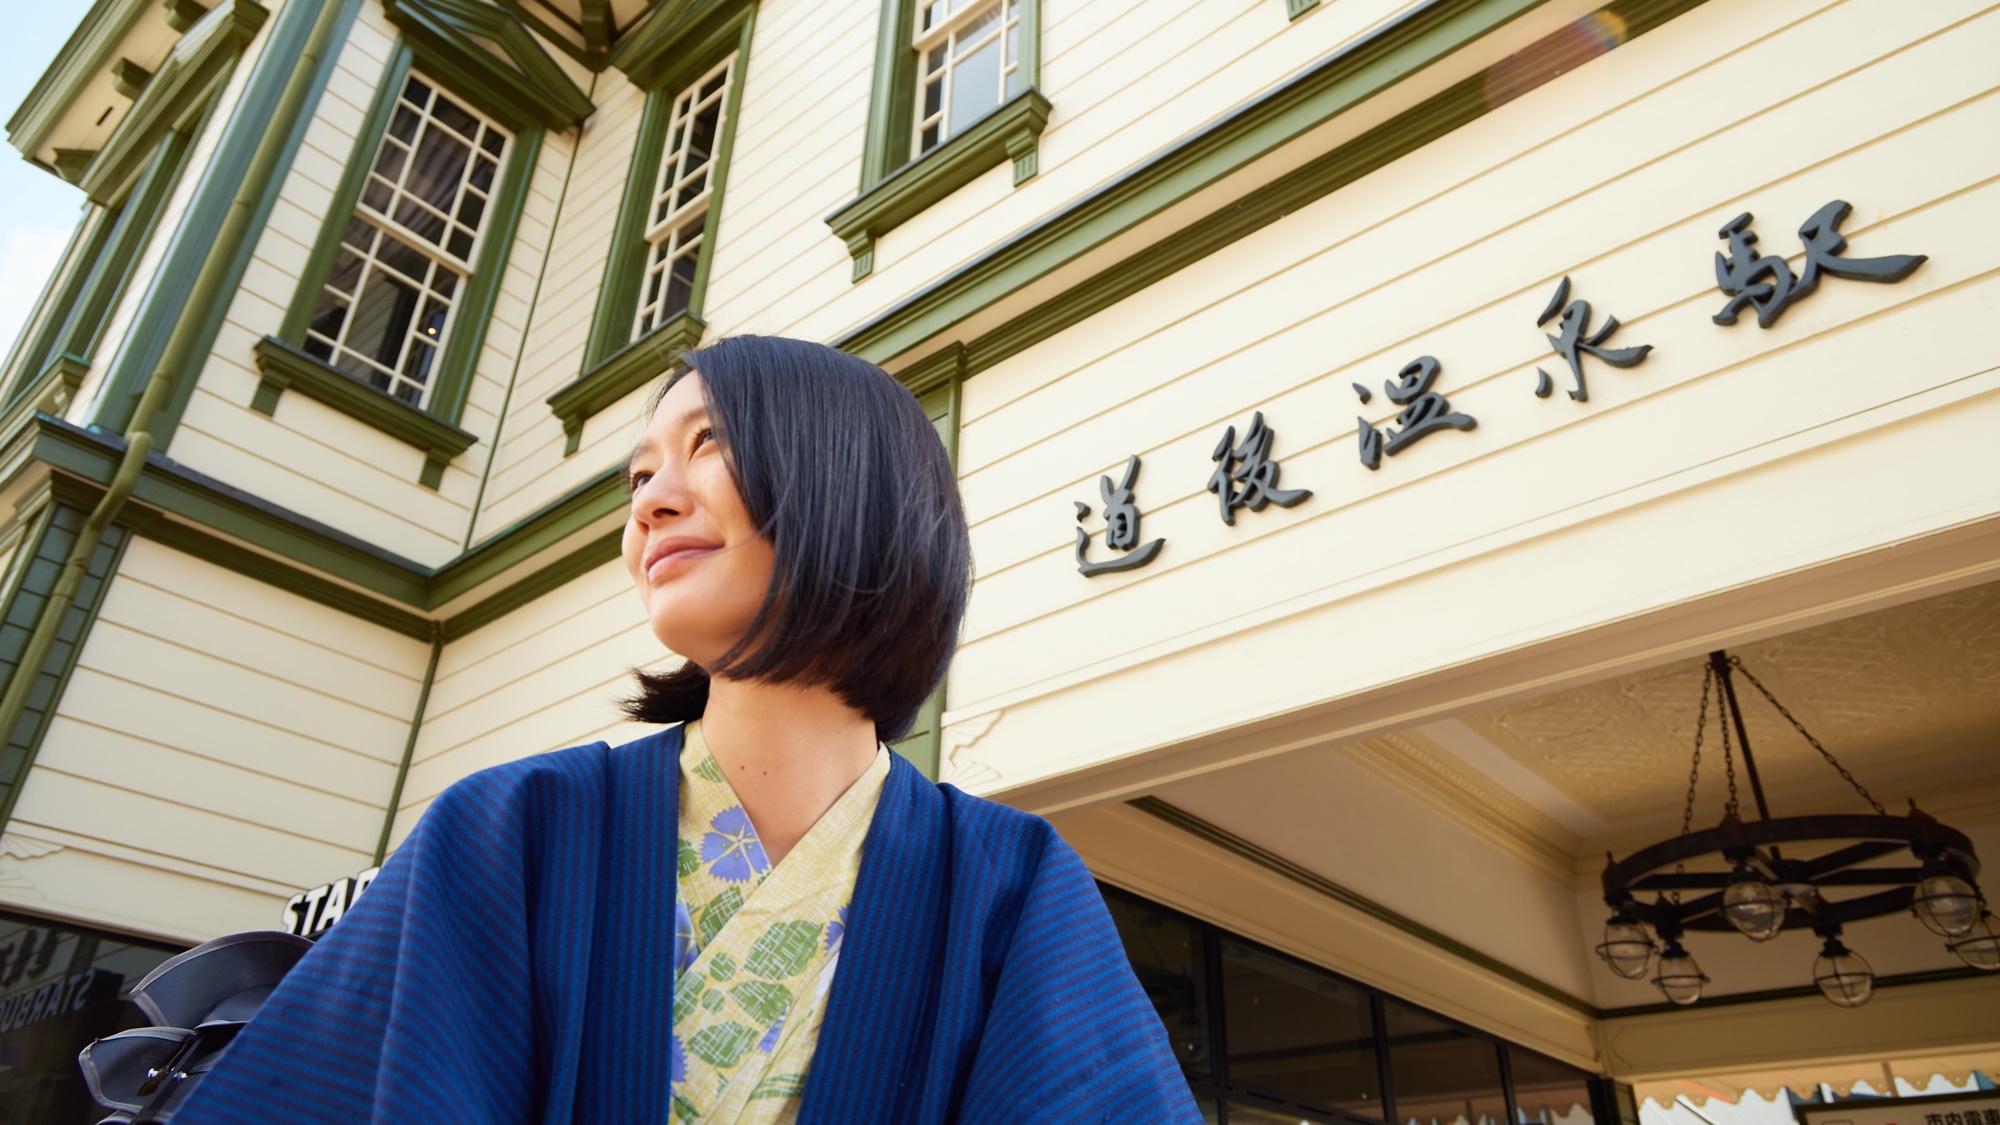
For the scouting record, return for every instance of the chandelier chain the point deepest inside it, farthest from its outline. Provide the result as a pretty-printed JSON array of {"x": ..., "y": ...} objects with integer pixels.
[
  {"x": 1737, "y": 664},
  {"x": 1734, "y": 807},
  {"x": 1694, "y": 770}
]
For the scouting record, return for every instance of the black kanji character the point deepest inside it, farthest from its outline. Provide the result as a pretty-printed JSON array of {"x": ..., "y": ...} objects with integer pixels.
[
  {"x": 1121, "y": 527},
  {"x": 1576, "y": 338},
  {"x": 1249, "y": 466},
  {"x": 1766, "y": 282},
  {"x": 1424, "y": 412}
]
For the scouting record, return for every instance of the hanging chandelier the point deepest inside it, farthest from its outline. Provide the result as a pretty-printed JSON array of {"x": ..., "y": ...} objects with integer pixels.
[{"x": 1837, "y": 874}]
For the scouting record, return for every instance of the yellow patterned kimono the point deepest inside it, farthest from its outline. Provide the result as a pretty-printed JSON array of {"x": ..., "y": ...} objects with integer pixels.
[{"x": 755, "y": 946}]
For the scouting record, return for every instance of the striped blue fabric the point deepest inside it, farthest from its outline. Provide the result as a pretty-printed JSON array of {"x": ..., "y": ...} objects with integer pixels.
[{"x": 511, "y": 965}]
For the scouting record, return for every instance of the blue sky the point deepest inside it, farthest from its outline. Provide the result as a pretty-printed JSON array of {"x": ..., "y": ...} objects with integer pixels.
[{"x": 37, "y": 210}]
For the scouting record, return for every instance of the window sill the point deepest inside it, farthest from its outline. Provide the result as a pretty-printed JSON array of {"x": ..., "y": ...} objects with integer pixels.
[
  {"x": 622, "y": 372},
  {"x": 284, "y": 367},
  {"x": 1010, "y": 132}
]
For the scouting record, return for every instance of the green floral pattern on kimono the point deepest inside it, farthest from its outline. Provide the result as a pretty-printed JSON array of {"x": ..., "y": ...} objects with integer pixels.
[{"x": 755, "y": 946}]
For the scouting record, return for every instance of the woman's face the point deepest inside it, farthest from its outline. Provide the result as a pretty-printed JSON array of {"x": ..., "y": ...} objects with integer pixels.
[{"x": 700, "y": 567}]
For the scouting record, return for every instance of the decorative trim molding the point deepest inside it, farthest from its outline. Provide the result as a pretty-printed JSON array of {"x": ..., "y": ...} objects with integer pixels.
[
  {"x": 679, "y": 40},
  {"x": 521, "y": 85},
  {"x": 89, "y": 48},
  {"x": 182, "y": 14},
  {"x": 196, "y": 66},
  {"x": 285, "y": 367},
  {"x": 625, "y": 371},
  {"x": 1010, "y": 132},
  {"x": 1429, "y": 773}
]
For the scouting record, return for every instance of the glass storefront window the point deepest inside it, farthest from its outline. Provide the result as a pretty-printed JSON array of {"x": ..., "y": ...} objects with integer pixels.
[
  {"x": 1547, "y": 1092},
  {"x": 1167, "y": 958},
  {"x": 59, "y": 989},
  {"x": 1442, "y": 1073},
  {"x": 1298, "y": 1032}
]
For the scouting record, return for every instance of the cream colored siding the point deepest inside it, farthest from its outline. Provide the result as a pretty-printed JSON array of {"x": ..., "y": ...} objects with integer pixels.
[
  {"x": 1732, "y": 454},
  {"x": 547, "y": 676},
  {"x": 529, "y": 469},
  {"x": 220, "y": 742},
  {"x": 147, "y": 263}
]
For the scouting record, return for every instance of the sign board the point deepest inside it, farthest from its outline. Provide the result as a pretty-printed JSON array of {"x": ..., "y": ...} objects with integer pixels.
[
  {"x": 311, "y": 912},
  {"x": 1974, "y": 1107}
]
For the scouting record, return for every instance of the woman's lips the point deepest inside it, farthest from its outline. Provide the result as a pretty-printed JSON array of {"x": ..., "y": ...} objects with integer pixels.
[{"x": 666, "y": 554}]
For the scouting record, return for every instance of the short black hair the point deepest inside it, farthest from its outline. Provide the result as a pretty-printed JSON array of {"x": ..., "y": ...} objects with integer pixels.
[{"x": 840, "y": 469}]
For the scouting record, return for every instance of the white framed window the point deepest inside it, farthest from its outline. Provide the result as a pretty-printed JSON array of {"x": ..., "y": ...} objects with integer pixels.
[
  {"x": 679, "y": 209},
  {"x": 968, "y": 62},
  {"x": 387, "y": 302}
]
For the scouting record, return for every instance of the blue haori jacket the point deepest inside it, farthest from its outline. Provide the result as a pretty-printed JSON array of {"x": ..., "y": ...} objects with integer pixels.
[{"x": 512, "y": 964}]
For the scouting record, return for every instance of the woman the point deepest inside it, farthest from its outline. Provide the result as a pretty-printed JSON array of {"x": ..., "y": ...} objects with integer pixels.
[{"x": 759, "y": 914}]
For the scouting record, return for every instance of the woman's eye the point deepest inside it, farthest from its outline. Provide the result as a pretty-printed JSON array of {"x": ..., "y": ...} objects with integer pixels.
[
  {"x": 703, "y": 435},
  {"x": 638, "y": 480}
]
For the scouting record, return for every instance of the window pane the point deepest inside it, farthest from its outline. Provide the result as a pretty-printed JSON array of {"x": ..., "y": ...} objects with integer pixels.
[
  {"x": 482, "y": 174},
  {"x": 1444, "y": 1075},
  {"x": 455, "y": 117},
  {"x": 389, "y": 164},
  {"x": 1297, "y": 1032},
  {"x": 436, "y": 168},
  {"x": 346, "y": 271},
  {"x": 423, "y": 223},
  {"x": 327, "y": 317},
  {"x": 461, "y": 245},
  {"x": 1547, "y": 1092},
  {"x": 975, "y": 86},
  {"x": 416, "y": 92},
  {"x": 382, "y": 318},
  {"x": 1167, "y": 959},
  {"x": 403, "y": 258},
  {"x": 403, "y": 126},
  {"x": 471, "y": 209}
]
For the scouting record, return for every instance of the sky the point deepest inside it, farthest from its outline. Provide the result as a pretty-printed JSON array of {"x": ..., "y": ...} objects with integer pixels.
[{"x": 37, "y": 211}]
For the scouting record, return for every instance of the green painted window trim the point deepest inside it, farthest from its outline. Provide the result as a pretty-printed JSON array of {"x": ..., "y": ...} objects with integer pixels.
[
  {"x": 1296, "y": 8},
  {"x": 1011, "y": 132},
  {"x": 663, "y": 56},
  {"x": 624, "y": 371},
  {"x": 522, "y": 89},
  {"x": 177, "y": 94},
  {"x": 891, "y": 134},
  {"x": 466, "y": 338},
  {"x": 283, "y": 367}
]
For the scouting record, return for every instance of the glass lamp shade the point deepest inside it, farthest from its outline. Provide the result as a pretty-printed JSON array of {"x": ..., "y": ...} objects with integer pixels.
[
  {"x": 1679, "y": 978},
  {"x": 1843, "y": 976},
  {"x": 1627, "y": 948},
  {"x": 1946, "y": 904},
  {"x": 1753, "y": 906},
  {"x": 1979, "y": 946}
]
